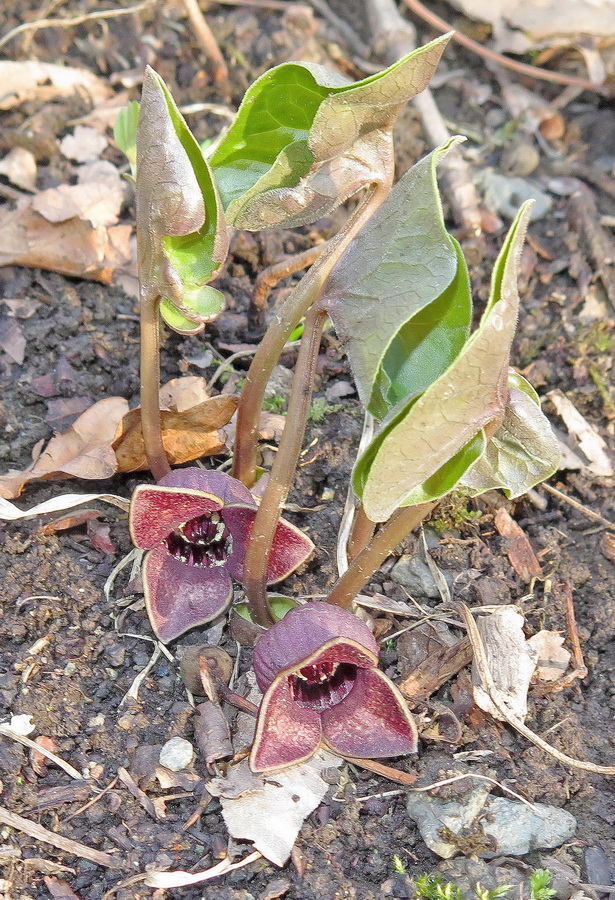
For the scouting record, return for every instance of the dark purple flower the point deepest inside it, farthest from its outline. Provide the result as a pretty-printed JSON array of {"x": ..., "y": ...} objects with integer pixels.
[
  {"x": 196, "y": 524},
  {"x": 318, "y": 670}
]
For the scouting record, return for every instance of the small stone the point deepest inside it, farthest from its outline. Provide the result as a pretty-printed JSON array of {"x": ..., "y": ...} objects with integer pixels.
[
  {"x": 415, "y": 575},
  {"x": 176, "y": 754},
  {"x": 517, "y": 828},
  {"x": 520, "y": 159},
  {"x": 503, "y": 195}
]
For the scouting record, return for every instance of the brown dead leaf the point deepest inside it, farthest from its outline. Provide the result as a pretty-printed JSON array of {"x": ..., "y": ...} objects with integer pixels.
[
  {"x": 73, "y": 520},
  {"x": 19, "y": 166},
  {"x": 12, "y": 340},
  {"x": 92, "y": 201},
  {"x": 83, "y": 145},
  {"x": 607, "y": 546},
  {"x": 553, "y": 658},
  {"x": 30, "y": 80},
  {"x": 84, "y": 451},
  {"x": 73, "y": 247},
  {"x": 522, "y": 557},
  {"x": 182, "y": 393},
  {"x": 186, "y": 435}
]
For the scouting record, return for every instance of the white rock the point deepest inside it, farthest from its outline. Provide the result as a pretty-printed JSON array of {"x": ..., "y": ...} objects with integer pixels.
[{"x": 176, "y": 754}]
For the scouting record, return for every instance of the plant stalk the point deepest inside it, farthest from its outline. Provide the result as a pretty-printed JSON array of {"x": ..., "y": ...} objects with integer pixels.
[
  {"x": 263, "y": 531},
  {"x": 361, "y": 534},
  {"x": 369, "y": 560},
  {"x": 286, "y": 319},
  {"x": 151, "y": 424}
]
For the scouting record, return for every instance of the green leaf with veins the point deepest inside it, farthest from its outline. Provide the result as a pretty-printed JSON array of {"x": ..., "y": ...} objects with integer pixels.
[
  {"x": 422, "y": 435},
  {"x": 305, "y": 139},
  {"x": 523, "y": 451},
  {"x": 182, "y": 238},
  {"x": 125, "y": 133},
  {"x": 400, "y": 296}
]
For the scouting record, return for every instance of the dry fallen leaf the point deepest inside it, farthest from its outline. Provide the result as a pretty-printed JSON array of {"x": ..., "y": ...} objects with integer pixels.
[
  {"x": 83, "y": 145},
  {"x": 511, "y": 660},
  {"x": 73, "y": 247},
  {"x": 93, "y": 201},
  {"x": 271, "y": 816},
  {"x": 553, "y": 658},
  {"x": 12, "y": 340},
  {"x": 32, "y": 80},
  {"x": 84, "y": 451},
  {"x": 19, "y": 166},
  {"x": 186, "y": 435},
  {"x": 522, "y": 557},
  {"x": 590, "y": 443},
  {"x": 182, "y": 393}
]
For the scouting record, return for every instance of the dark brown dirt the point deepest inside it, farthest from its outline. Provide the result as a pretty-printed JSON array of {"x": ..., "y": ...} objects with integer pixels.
[{"x": 68, "y": 656}]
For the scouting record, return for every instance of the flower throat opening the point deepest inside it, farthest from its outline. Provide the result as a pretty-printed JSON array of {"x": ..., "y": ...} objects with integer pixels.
[
  {"x": 323, "y": 685},
  {"x": 203, "y": 542}
]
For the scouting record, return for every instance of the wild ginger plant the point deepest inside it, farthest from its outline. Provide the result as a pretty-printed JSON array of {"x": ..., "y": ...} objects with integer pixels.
[{"x": 447, "y": 410}]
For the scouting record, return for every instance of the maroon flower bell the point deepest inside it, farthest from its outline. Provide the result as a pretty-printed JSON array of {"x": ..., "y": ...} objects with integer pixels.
[
  {"x": 318, "y": 670},
  {"x": 196, "y": 524}
]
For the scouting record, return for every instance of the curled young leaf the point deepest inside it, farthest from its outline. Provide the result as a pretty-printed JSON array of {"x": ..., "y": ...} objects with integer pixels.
[
  {"x": 400, "y": 296},
  {"x": 181, "y": 235},
  {"x": 305, "y": 139},
  {"x": 425, "y": 433},
  {"x": 523, "y": 451}
]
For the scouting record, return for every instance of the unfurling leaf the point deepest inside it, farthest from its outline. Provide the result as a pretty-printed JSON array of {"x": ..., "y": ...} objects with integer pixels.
[
  {"x": 400, "y": 296},
  {"x": 181, "y": 233},
  {"x": 427, "y": 433},
  {"x": 305, "y": 139},
  {"x": 523, "y": 451},
  {"x": 125, "y": 133}
]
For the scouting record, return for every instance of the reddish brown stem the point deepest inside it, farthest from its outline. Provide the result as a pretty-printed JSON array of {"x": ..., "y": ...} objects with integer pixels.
[
  {"x": 361, "y": 534},
  {"x": 369, "y": 560},
  {"x": 287, "y": 318},
  {"x": 282, "y": 471},
  {"x": 150, "y": 386}
]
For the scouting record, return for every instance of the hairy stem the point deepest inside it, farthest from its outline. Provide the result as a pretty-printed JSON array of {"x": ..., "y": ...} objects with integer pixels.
[
  {"x": 361, "y": 534},
  {"x": 287, "y": 318},
  {"x": 282, "y": 471},
  {"x": 369, "y": 560},
  {"x": 150, "y": 387}
]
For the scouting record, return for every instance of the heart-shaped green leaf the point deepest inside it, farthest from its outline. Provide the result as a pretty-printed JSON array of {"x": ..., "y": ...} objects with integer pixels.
[
  {"x": 305, "y": 139},
  {"x": 182, "y": 237},
  {"x": 400, "y": 296},
  {"x": 425, "y": 433},
  {"x": 523, "y": 451}
]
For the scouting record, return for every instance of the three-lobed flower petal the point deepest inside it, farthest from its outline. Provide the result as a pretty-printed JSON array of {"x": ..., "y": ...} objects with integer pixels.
[
  {"x": 318, "y": 670},
  {"x": 196, "y": 525}
]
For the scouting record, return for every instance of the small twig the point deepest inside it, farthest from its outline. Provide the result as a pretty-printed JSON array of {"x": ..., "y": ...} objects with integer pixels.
[
  {"x": 9, "y": 733},
  {"x": 207, "y": 41},
  {"x": 576, "y": 505},
  {"x": 488, "y": 685},
  {"x": 75, "y": 20},
  {"x": 56, "y": 840},
  {"x": 454, "y": 778},
  {"x": 281, "y": 5},
  {"x": 227, "y": 365},
  {"x": 91, "y": 802},
  {"x": 345, "y": 31},
  {"x": 393, "y": 37},
  {"x": 237, "y": 700},
  {"x": 272, "y": 275},
  {"x": 580, "y": 669},
  {"x": 133, "y": 691},
  {"x": 379, "y": 768},
  {"x": 522, "y": 68}
]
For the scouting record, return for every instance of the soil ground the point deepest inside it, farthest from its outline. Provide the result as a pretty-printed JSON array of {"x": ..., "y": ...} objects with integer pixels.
[{"x": 69, "y": 656}]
